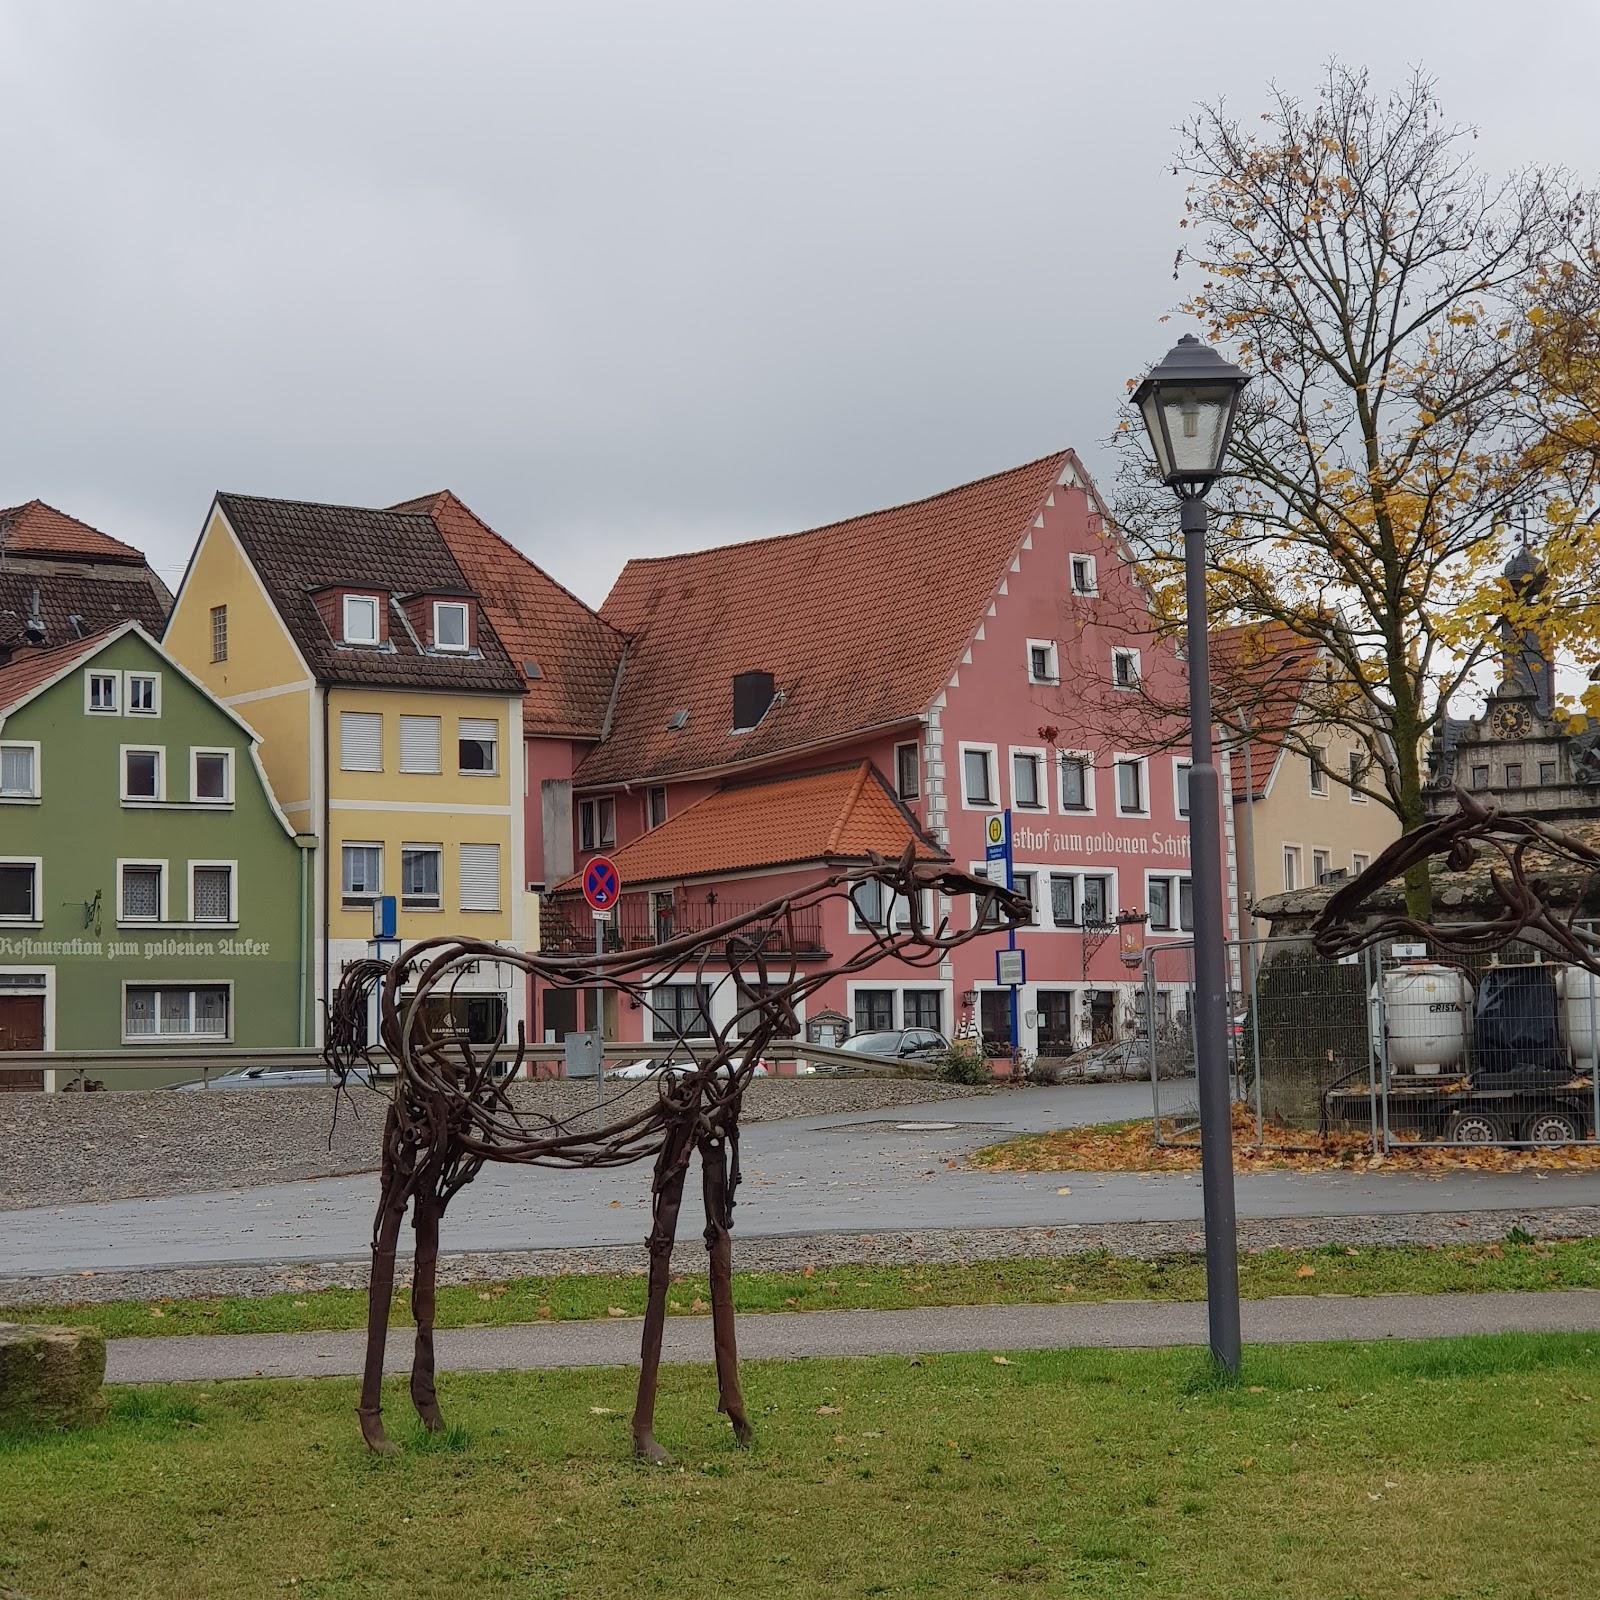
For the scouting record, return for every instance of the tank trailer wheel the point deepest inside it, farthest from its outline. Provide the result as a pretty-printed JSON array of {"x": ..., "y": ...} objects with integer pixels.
[
  {"x": 1470, "y": 1126},
  {"x": 1552, "y": 1127}
]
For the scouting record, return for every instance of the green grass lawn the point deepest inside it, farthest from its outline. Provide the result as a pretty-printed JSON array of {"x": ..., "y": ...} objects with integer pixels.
[
  {"x": 1453, "y": 1468},
  {"x": 1333, "y": 1269}
]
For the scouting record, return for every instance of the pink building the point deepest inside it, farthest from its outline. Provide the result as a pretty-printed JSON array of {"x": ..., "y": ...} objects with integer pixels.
[{"x": 743, "y": 718}]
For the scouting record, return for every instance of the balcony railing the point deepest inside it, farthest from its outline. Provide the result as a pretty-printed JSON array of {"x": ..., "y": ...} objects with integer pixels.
[{"x": 566, "y": 927}]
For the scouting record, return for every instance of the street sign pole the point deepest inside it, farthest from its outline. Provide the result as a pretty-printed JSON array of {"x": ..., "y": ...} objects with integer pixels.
[
  {"x": 600, "y": 919},
  {"x": 1011, "y": 943},
  {"x": 602, "y": 888}
]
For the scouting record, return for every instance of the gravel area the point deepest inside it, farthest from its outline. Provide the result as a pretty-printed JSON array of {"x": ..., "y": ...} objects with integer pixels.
[
  {"x": 57, "y": 1149},
  {"x": 1139, "y": 1239}
]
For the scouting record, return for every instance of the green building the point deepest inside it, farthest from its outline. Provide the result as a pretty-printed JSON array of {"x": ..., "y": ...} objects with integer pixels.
[{"x": 153, "y": 897}]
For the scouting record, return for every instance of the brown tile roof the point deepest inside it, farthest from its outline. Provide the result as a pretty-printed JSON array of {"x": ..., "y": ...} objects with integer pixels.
[
  {"x": 1265, "y": 667},
  {"x": 840, "y": 814},
  {"x": 30, "y": 667},
  {"x": 860, "y": 622},
  {"x": 36, "y": 529},
  {"x": 98, "y": 596},
  {"x": 576, "y": 651},
  {"x": 300, "y": 547}
]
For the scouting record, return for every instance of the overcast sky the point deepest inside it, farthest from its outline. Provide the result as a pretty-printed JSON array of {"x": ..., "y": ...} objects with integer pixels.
[{"x": 631, "y": 278}]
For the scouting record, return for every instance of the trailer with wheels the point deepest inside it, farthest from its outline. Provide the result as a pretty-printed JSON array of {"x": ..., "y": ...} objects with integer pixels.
[{"x": 1484, "y": 1108}]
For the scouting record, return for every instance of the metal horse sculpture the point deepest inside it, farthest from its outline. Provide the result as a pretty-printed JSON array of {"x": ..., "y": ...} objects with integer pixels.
[
  {"x": 1476, "y": 830},
  {"x": 453, "y": 1108}
]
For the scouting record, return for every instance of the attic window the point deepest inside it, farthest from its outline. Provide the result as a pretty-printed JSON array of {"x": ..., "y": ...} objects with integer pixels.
[
  {"x": 532, "y": 670},
  {"x": 679, "y": 719},
  {"x": 449, "y": 625},
  {"x": 360, "y": 619}
]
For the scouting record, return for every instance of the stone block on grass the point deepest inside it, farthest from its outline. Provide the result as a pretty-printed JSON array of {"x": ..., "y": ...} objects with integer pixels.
[{"x": 50, "y": 1377}]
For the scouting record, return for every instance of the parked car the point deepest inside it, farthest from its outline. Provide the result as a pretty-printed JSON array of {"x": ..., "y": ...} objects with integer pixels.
[
  {"x": 652, "y": 1067},
  {"x": 899, "y": 1044},
  {"x": 275, "y": 1078}
]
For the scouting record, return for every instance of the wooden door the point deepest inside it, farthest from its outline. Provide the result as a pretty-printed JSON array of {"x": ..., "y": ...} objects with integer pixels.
[{"x": 21, "y": 1028}]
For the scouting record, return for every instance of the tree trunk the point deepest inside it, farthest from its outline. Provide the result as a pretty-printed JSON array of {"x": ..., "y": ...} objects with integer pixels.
[{"x": 1413, "y": 813}]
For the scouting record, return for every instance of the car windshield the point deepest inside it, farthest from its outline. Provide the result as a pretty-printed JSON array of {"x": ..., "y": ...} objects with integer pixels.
[{"x": 873, "y": 1044}]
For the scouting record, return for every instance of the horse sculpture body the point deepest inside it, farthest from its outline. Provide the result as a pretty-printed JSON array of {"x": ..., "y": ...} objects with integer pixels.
[{"x": 453, "y": 1108}]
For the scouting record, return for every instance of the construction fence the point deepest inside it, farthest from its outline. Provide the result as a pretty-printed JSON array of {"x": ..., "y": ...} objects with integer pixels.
[{"x": 1400, "y": 1045}]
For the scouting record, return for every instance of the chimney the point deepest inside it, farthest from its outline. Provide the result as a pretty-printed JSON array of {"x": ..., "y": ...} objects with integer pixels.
[{"x": 752, "y": 695}]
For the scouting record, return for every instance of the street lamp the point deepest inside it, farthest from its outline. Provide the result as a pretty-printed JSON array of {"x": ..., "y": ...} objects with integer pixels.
[{"x": 1188, "y": 402}]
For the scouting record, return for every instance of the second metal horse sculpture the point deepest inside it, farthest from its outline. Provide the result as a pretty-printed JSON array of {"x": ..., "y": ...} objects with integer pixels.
[{"x": 453, "y": 1106}]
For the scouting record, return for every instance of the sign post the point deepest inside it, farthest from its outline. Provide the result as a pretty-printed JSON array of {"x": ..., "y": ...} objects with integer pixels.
[
  {"x": 602, "y": 888},
  {"x": 997, "y": 847}
]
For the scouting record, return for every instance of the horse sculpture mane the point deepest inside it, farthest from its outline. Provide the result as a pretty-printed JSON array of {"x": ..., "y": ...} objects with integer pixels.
[{"x": 452, "y": 1108}]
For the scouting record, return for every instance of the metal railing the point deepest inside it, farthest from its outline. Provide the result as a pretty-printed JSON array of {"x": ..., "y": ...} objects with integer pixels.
[{"x": 566, "y": 926}]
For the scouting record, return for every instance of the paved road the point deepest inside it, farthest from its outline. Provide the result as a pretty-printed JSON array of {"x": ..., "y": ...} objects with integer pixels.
[
  {"x": 931, "y": 1329},
  {"x": 866, "y": 1172}
]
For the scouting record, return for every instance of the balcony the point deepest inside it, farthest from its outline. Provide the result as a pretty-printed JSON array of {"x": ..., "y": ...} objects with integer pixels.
[{"x": 566, "y": 927}]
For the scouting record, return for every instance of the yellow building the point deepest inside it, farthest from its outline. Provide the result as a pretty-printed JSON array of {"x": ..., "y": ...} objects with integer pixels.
[{"x": 390, "y": 717}]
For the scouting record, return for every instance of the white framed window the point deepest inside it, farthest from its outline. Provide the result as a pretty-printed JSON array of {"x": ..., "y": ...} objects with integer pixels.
[
  {"x": 478, "y": 745},
  {"x": 1064, "y": 899},
  {"x": 449, "y": 625},
  {"x": 656, "y": 806},
  {"x": 1292, "y": 874},
  {"x": 1357, "y": 769},
  {"x": 873, "y": 1011},
  {"x": 420, "y": 876},
  {"x": 978, "y": 791},
  {"x": 1133, "y": 786},
  {"x": 1083, "y": 578},
  {"x": 102, "y": 693},
  {"x": 419, "y": 744},
  {"x": 1043, "y": 661},
  {"x": 1075, "y": 781},
  {"x": 361, "y": 741},
  {"x": 1317, "y": 762},
  {"x": 362, "y": 867},
  {"x": 141, "y": 891},
  {"x": 1026, "y": 883},
  {"x": 144, "y": 772},
  {"x": 213, "y": 891},
  {"x": 20, "y": 890},
  {"x": 211, "y": 775},
  {"x": 361, "y": 619},
  {"x": 870, "y": 909},
  {"x": 1079, "y": 898},
  {"x": 907, "y": 771},
  {"x": 19, "y": 769},
  {"x": 1182, "y": 766},
  {"x": 680, "y": 1011},
  {"x": 1096, "y": 898},
  {"x": 1124, "y": 668},
  {"x": 597, "y": 823},
  {"x": 219, "y": 633},
  {"x": 176, "y": 1011},
  {"x": 480, "y": 877},
  {"x": 1321, "y": 864},
  {"x": 1169, "y": 902},
  {"x": 1029, "y": 791},
  {"x": 143, "y": 694},
  {"x": 1359, "y": 863}
]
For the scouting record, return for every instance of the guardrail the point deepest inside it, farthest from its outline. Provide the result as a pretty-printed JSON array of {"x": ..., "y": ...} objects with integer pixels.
[{"x": 69, "y": 1068}]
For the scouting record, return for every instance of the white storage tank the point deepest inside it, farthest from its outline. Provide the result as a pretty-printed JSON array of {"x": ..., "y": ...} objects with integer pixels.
[
  {"x": 1574, "y": 987},
  {"x": 1426, "y": 1009}
]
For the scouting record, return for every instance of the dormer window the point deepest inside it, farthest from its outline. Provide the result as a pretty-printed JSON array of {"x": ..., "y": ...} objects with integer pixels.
[
  {"x": 449, "y": 625},
  {"x": 360, "y": 619}
]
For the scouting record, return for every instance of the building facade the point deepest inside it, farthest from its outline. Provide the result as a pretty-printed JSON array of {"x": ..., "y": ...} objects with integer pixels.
[
  {"x": 932, "y": 653},
  {"x": 390, "y": 720},
  {"x": 152, "y": 892}
]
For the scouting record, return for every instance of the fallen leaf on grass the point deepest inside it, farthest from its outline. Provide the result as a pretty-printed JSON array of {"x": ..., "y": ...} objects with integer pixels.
[
  {"x": 828, "y": 1411},
  {"x": 698, "y": 1305},
  {"x": 615, "y": 1311},
  {"x": 1001, "y": 1361},
  {"x": 600, "y": 1411},
  {"x": 1305, "y": 1272}
]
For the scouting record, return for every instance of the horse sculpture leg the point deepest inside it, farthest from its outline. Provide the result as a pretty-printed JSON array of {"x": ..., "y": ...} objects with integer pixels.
[
  {"x": 719, "y": 1247},
  {"x": 429, "y": 1209},
  {"x": 385, "y": 1234},
  {"x": 666, "y": 1195}
]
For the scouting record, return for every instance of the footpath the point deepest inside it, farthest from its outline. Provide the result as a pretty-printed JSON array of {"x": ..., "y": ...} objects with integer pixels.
[{"x": 786, "y": 1335}]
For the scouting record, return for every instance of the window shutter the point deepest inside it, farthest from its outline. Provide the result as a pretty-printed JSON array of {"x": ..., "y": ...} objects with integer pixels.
[
  {"x": 479, "y": 728},
  {"x": 419, "y": 744},
  {"x": 480, "y": 877},
  {"x": 361, "y": 741}
]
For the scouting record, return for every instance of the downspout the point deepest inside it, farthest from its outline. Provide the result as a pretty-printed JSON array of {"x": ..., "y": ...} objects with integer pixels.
[{"x": 327, "y": 824}]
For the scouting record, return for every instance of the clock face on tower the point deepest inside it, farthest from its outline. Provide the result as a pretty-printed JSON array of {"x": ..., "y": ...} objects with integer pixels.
[{"x": 1510, "y": 721}]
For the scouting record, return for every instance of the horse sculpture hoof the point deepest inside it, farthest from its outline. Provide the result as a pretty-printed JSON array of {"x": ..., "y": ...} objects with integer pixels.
[
  {"x": 648, "y": 1450},
  {"x": 743, "y": 1432},
  {"x": 378, "y": 1442}
]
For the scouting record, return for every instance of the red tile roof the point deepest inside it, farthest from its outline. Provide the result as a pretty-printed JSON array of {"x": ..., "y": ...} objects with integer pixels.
[
  {"x": 1265, "y": 667},
  {"x": 576, "y": 652},
  {"x": 841, "y": 814},
  {"x": 31, "y": 666},
  {"x": 36, "y": 529},
  {"x": 861, "y": 624}
]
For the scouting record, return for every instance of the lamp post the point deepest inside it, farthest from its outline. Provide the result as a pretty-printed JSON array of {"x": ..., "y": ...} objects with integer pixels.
[{"x": 1188, "y": 402}]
